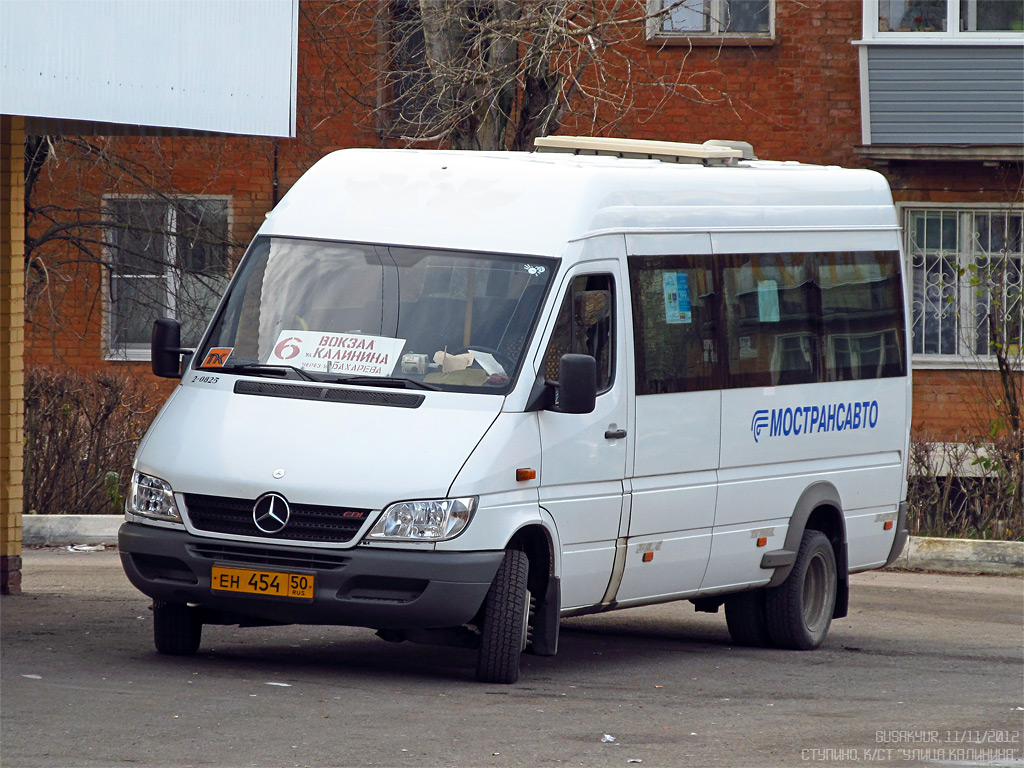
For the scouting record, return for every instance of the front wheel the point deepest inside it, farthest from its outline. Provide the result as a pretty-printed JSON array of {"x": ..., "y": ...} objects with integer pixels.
[
  {"x": 799, "y": 611},
  {"x": 503, "y": 631},
  {"x": 177, "y": 629}
]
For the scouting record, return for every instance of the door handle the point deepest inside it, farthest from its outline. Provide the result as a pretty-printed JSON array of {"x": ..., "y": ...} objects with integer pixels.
[{"x": 616, "y": 434}]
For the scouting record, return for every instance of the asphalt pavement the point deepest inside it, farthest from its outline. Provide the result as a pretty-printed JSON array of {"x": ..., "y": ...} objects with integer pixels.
[{"x": 927, "y": 670}]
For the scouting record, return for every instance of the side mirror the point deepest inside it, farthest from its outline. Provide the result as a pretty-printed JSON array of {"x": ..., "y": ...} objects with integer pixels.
[
  {"x": 165, "y": 348},
  {"x": 577, "y": 383}
]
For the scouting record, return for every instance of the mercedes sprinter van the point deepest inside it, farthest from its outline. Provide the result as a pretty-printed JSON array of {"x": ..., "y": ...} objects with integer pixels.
[{"x": 458, "y": 396}]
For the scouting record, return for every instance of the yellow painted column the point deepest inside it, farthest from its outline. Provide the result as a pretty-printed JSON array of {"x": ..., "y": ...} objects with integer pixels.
[{"x": 12, "y": 348}]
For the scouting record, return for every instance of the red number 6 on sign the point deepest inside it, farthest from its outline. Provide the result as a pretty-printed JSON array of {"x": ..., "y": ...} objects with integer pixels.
[{"x": 286, "y": 349}]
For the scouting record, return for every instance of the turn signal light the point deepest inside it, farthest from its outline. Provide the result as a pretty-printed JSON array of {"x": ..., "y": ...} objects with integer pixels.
[
  {"x": 526, "y": 474},
  {"x": 648, "y": 556},
  {"x": 762, "y": 541},
  {"x": 888, "y": 525}
]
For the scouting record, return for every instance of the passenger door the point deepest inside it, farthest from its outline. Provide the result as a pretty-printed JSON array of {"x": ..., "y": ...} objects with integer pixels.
[
  {"x": 584, "y": 455},
  {"x": 674, "y": 483}
]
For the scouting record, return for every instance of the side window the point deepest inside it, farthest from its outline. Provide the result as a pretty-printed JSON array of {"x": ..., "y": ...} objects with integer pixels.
[
  {"x": 586, "y": 325},
  {"x": 758, "y": 320},
  {"x": 674, "y": 323},
  {"x": 693, "y": 19},
  {"x": 862, "y": 315},
  {"x": 798, "y": 318},
  {"x": 771, "y": 311}
]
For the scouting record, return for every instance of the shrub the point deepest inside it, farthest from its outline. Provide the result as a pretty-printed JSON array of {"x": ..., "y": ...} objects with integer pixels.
[
  {"x": 81, "y": 433},
  {"x": 967, "y": 489}
]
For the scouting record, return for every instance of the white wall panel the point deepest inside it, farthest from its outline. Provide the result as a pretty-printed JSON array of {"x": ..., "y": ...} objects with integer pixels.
[{"x": 226, "y": 66}]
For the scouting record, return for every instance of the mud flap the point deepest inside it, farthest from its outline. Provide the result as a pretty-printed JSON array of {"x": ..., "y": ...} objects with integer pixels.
[{"x": 546, "y": 621}]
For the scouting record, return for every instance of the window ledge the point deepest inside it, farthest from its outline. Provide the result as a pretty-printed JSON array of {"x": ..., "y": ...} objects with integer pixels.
[
  {"x": 127, "y": 356},
  {"x": 669, "y": 40},
  {"x": 1013, "y": 153},
  {"x": 952, "y": 362},
  {"x": 940, "y": 38}
]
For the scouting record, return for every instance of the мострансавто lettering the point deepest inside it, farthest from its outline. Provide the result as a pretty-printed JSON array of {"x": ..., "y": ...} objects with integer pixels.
[{"x": 810, "y": 419}]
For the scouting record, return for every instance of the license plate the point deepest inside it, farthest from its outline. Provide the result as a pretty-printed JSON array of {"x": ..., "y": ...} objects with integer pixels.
[{"x": 297, "y": 585}]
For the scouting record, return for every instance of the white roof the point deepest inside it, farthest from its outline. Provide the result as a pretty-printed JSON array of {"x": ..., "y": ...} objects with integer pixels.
[{"x": 530, "y": 203}]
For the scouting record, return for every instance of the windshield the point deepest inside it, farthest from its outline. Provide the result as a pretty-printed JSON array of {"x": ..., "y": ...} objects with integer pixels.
[{"x": 378, "y": 315}]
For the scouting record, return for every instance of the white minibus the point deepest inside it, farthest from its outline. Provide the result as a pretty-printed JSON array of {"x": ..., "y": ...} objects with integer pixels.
[{"x": 456, "y": 397}]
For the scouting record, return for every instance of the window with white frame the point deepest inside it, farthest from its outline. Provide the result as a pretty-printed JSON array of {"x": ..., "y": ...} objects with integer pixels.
[
  {"x": 953, "y": 17},
  {"x": 712, "y": 18},
  {"x": 167, "y": 256},
  {"x": 966, "y": 281}
]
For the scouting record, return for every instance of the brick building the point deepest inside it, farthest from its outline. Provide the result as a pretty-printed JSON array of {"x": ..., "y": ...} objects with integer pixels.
[
  {"x": 90, "y": 67},
  {"x": 928, "y": 92}
]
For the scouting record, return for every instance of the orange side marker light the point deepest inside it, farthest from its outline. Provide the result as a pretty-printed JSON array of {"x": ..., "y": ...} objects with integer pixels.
[
  {"x": 888, "y": 525},
  {"x": 648, "y": 557},
  {"x": 762, "y": 541},
  {"x": 526, "y": 474}
]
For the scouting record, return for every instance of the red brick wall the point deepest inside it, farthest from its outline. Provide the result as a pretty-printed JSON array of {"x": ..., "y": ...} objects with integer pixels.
[
  {"x": 796, "y": 99},
  {"x": 955, "y": 404},
  {"x": 954, "y": 182}
]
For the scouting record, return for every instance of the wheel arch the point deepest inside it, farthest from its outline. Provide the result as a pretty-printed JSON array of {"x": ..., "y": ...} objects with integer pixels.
[
  {"x": 536, "y": 541},
  {"x": 820, "y": 508}
]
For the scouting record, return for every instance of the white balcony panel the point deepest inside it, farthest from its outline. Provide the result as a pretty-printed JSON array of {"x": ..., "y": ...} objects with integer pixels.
[{"x": 227, "y": 66}]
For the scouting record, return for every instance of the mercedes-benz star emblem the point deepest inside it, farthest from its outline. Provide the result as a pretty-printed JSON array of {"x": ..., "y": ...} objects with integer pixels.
[{"x": 271, "y": 513}]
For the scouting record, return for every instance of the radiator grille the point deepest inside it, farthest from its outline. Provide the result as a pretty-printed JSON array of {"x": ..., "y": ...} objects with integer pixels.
[{"x": 308, "y": 522}]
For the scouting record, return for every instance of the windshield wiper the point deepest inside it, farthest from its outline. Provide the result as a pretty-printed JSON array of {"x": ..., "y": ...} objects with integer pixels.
[
  {"x": 260, "y": 369},
  {"x": 384, "y": 381},
  {"x": 281, "y": 369}
]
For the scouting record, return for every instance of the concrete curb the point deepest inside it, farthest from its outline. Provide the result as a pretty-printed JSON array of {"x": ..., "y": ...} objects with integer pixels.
[
  {"x": 69, "y": 530},
  {"x": 920, "y": 554},
  {"x": 962, "y": 556}
]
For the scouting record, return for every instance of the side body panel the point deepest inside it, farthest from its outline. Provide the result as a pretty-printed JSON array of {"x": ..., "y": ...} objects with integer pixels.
[
  {"x": 778, "y": 441},
  {"x": 718, "y": 474}
]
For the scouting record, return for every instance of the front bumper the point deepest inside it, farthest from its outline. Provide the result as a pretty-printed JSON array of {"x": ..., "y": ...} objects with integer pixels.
[{"x": 360, "y": 587}]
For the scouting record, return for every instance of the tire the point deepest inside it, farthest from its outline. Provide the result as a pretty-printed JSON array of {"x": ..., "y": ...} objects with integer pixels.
[
  {"x": 747, "y": 619},
  {"x": 799, "y": 610},
  {"x": 177, "y": 629},
  {"x": 505, "y": 622}
]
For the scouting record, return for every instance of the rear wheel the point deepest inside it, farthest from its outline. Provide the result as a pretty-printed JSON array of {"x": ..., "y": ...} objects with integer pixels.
[
  {"x": 799, "y": 611},
  {"x": 177, "y": 629},
  {"x": 747, "y": 619},
  {"x": 503, "y": 631}
]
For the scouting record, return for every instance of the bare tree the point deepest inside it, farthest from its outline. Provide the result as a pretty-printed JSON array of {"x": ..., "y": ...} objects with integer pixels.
[
  {"x": 117, "y": 228},
  {"x": 495, "y": 74},
  {"x": 465, "y": 74}
]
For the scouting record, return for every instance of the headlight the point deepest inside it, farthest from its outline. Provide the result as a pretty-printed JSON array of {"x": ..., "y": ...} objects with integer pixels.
[
  {"x": 428, "y": 520},
  {"x": 152, "y": 497}
]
